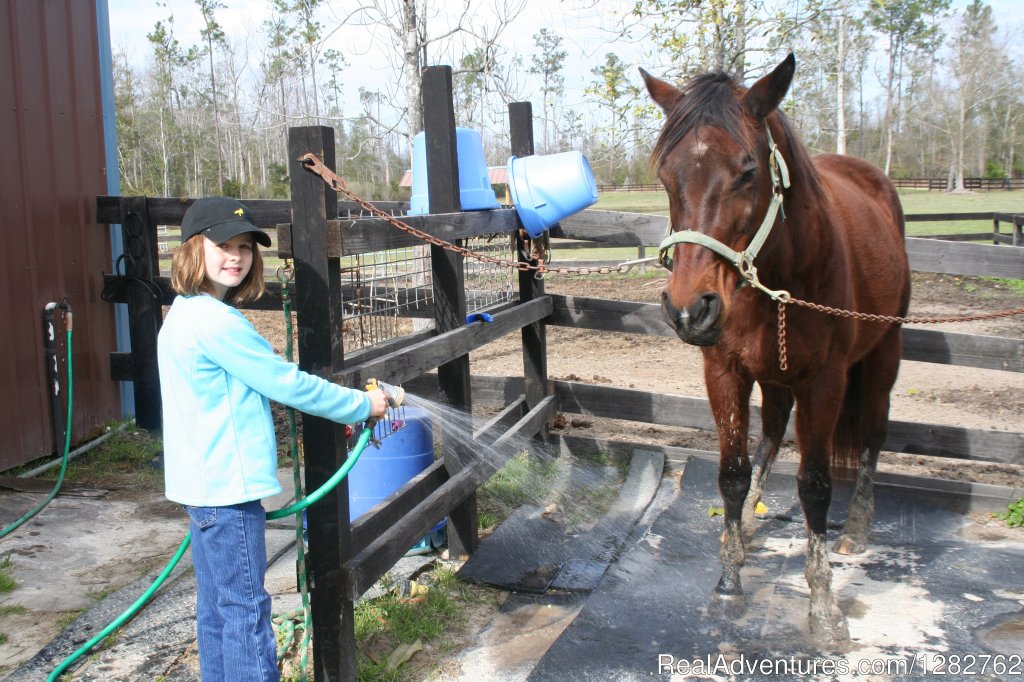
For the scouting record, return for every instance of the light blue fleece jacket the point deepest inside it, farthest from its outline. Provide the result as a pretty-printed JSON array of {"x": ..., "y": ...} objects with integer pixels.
[{"x": 216, "y": 375}]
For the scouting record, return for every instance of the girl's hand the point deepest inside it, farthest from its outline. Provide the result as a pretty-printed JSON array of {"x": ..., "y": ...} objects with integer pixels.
[{"x": 378, "y": 403}]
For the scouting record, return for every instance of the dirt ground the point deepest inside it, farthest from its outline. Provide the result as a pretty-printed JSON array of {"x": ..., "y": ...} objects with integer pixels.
[
  {"x": 924, "y": 392},
  {"x": 927, "y": 393}
]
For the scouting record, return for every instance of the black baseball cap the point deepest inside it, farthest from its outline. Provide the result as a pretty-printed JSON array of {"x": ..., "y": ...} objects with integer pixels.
[{"x": 219, "y": 219}]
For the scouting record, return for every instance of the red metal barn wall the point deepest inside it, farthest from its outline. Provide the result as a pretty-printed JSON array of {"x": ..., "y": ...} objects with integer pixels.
[{"x": 51, "y": 170}]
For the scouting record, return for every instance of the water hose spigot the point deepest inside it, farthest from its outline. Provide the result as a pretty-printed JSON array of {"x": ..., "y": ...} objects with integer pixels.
[
  {"x": 64, "y": 305},
  {"x": 395, "y": 394},
  {"x": 394, "y": 418}
]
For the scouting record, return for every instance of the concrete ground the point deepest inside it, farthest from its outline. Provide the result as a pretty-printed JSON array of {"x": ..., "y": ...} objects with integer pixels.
[
  {"x": 78, "y": 544},
  {"x": 66, "y": 560}
]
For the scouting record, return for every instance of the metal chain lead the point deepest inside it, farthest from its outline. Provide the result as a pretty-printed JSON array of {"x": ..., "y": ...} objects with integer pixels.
[
  {"x": 783, "y": 356},
  {"x": 871, "y": 317}
]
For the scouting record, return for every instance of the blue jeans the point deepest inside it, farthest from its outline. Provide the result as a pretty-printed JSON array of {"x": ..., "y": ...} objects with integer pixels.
[{"x": 236, "y": 636}]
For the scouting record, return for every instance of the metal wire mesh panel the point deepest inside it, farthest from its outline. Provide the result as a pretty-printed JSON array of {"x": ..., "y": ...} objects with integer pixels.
[
  {"x": 387, "y": 295},
  {"x": 489, "y": 284}
]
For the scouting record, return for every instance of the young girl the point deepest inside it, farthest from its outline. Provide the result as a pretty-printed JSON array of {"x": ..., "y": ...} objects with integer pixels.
[{"x": 220, "y": 452}]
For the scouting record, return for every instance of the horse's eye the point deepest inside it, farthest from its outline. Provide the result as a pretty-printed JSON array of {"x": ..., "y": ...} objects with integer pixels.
[{"x": 746, "y": 177}]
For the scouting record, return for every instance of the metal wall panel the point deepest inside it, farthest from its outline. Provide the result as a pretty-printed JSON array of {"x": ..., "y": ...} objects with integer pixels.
[{"x": 51, "y": 170}]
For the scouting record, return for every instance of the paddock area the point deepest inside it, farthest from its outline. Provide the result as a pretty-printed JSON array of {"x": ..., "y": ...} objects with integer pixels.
[{"x": 372, "y": 301}]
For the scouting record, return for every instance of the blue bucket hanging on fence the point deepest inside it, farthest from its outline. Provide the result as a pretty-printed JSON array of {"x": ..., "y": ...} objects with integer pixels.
[
  {"x": 546, "y": 189},
  {"x": 475, "y": 192}
]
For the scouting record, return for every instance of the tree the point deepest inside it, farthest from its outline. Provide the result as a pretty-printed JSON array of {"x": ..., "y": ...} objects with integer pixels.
[
  {"x": 975, "y": 57},
  {"x": 213, "y": 35},
  {"x": 169, "y": 61},
  {"x": 909, "y": 27},
  {"x": 828, "y": 38},
  {"x": 708, "y": 35},
  {"x": 610, "y": 91},
  {"x": 548, "y": 66},
  {"x": 461, "y": 31}
]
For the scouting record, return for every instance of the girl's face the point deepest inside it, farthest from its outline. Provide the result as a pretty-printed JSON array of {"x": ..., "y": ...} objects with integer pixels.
[{"x": 227, "y": 263}]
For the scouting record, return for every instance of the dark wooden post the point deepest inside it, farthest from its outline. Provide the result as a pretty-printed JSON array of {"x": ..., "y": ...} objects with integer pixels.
[
  {"x": 449, "y": 278},
  {"x": 535, "y": 355},
  {"x": 141, "y": 261},
  {"x": 318, "y": 313}
]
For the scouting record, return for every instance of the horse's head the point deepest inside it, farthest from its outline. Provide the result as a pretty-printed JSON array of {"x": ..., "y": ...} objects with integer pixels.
[{"x": 714, "y": 158}]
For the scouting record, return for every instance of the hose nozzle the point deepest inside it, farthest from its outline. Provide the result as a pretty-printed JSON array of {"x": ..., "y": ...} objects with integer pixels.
[{"x": 394, "y": 394}]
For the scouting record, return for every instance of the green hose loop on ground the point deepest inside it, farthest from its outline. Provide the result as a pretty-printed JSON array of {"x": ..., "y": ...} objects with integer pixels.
[
  {"x": 361, "y": 443},
  {"x": 64, "y": 463},
  {"x": 131, "y": 611}
]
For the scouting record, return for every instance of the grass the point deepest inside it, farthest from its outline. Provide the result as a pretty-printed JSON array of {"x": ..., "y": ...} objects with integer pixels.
[
  {"x": 122, "y": 461},
  {"x": 915, "y": 201},
  {"x": 523, "y": 479},
  {"x": 7, "y": 582},
  {"x": 423, "y": 625}
]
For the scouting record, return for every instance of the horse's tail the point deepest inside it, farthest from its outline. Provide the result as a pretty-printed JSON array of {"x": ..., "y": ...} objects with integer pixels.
[{"x": 850, "y": 438}]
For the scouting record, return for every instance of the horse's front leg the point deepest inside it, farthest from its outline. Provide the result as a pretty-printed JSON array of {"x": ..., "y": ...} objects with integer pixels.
[
  {"x": 729, "y": 394},
  {"x": 878, "y": 373},
  {"x": 816, "y": 413},
  {"x": 776, "y": 404}
]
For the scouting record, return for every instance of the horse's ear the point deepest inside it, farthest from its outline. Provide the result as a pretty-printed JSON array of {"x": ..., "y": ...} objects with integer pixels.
[
  {"x": 765, "y": 95},
  {"x": 664, "y": 94}
]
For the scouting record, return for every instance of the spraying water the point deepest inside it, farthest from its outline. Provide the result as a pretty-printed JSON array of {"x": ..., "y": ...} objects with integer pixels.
[{"x": 521, "y": 471}]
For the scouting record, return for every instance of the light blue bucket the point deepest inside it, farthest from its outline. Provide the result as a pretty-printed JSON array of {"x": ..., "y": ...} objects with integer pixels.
[
  {"x": 547, "y": 188},
  {"x": 388, "y": 464},
  {"x": 475, "y": 191}
]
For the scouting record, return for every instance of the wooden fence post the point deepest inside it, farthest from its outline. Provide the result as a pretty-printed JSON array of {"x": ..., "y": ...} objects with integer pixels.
[
  {"x": 535, "y": 357},
  {"x": 449, "y": 279},
  {"x": 318, "y": 302},
  {"x": 141, "y": 261}
]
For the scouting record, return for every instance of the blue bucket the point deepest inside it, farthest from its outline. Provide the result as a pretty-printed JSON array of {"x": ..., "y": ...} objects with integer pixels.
[
  {"x": 389, "y": 464},
  {"x": 547, "y": 188},
  {"x": 475, "y": 191}
]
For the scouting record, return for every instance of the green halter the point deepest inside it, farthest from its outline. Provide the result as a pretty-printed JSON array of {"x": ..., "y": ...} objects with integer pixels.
[{"x": 743, "y": 260}]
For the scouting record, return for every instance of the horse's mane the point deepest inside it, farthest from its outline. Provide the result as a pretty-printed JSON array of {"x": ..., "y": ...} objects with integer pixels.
[
  {"x": 714, "y": 99},
  {"x": 709, "y": 99}
]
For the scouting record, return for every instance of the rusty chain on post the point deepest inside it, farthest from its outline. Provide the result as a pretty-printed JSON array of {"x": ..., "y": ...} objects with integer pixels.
[
  {"x": 539, "y": 253},
  {"x": 538, "y": 249}
]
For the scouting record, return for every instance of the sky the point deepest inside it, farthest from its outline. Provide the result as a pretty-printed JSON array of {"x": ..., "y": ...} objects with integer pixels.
[{"x": 587, "y": 34}]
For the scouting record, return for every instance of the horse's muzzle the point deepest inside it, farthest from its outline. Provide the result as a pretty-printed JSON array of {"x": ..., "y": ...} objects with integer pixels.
[{"x": 695, "y": 324}]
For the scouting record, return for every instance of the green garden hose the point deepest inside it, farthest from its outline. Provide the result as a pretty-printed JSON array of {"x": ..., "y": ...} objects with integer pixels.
[
  {"x": 67, "y": 445},
  {"x": 295, "y": 508}
]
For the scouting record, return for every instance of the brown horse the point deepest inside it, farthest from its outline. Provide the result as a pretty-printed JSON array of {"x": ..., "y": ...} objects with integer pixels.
[{"x": 829, "y": 230}]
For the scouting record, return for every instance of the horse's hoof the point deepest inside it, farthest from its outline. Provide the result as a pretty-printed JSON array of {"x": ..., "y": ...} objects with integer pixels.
[
  {"x": 847, "y": 545},
  {"x": 730, "y": 605},
  {"x": 830, "y": 630}
]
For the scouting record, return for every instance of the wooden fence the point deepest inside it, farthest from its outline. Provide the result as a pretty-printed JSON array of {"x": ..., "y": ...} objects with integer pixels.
[{"x": 346, "y": 560}]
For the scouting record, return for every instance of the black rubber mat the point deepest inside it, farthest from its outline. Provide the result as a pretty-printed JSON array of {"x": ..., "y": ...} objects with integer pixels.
[
  {"x": 533, "y": 551},
  {"x": 917, "y": 599}
]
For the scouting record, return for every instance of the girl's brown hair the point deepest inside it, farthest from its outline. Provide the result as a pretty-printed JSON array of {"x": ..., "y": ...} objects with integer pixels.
[{"x": 188, "y": 273}]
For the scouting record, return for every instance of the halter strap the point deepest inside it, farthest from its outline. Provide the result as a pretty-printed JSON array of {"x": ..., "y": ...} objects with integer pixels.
[{"x": 742, "y": 260}]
